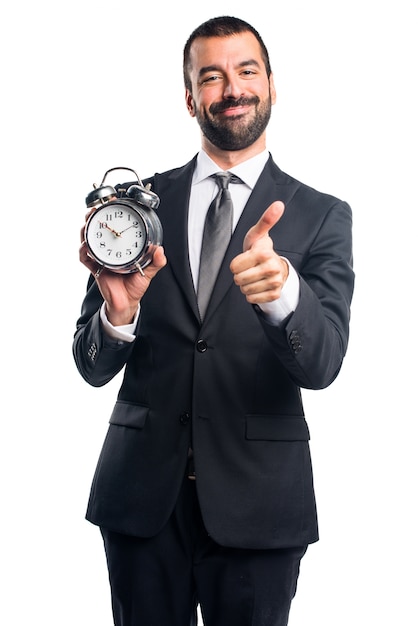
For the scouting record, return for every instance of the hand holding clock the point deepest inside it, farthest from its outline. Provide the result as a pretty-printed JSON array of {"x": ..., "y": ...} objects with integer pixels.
[{"x": 121, "y": 292}]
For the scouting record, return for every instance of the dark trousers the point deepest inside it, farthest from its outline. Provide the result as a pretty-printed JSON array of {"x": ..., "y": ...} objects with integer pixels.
[{"x": 159, "y": 581}]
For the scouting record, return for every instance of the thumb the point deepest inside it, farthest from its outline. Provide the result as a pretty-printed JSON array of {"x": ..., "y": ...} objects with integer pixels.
[
  {"x": 159, "y": 260},
  {"x": 269, "y": 218}
]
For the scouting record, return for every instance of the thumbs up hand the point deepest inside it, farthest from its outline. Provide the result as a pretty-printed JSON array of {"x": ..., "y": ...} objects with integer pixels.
[{"x": 259, "y": 271}]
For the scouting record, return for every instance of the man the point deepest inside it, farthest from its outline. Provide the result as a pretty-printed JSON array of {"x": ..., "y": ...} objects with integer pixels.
[{"x": 203, "y": 490}]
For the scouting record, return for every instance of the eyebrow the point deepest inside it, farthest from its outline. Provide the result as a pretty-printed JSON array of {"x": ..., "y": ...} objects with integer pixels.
[{"x": 216, "y": 68}]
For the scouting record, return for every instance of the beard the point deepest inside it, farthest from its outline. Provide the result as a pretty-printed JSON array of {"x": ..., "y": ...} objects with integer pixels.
[{"x": 235, "y": 132}]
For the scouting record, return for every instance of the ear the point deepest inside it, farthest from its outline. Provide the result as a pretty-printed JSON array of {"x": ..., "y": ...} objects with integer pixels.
[
  {"x": 190, "y": 103},
  {"x": 272, "y": 89}
]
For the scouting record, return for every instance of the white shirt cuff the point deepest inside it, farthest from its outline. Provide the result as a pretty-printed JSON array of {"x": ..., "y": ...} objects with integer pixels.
[
  {"x": 275, "y": 312},
  {"x": 121, "y": 333}
]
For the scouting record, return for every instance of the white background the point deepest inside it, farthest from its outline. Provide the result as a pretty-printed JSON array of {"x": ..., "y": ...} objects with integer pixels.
[{"x": 91, "y": 85}]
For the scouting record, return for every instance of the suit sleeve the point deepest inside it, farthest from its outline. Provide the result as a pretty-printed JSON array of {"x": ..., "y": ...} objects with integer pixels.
[
  {"x": 312, "y": 342},
  {"x": 98, "y": 357}
]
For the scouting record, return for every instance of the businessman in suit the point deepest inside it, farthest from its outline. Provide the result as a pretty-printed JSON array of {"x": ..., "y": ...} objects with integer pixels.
[{"x": 203, "y": 490}]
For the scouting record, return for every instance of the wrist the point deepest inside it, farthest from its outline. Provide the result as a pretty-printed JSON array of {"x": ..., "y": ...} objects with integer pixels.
[{"x": 120, "y": 318}]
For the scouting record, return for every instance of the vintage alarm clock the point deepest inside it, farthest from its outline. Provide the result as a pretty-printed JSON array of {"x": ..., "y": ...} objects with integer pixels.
[{"x": 122, "y": 232}]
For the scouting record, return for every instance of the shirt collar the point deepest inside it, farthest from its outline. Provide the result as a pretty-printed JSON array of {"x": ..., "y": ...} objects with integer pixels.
[{"x": 248, "y": 171}]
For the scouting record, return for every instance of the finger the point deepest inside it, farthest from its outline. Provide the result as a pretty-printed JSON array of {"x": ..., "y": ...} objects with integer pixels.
[
  {"x": 159, "y": 260},
  {"x": 90, "y": 211},
  {"x": 269, "y": 218},
  {"x": 86, "y": 259}
]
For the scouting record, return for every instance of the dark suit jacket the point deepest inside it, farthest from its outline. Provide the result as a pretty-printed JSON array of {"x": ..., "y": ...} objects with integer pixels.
[{"x": 229, "y": 387}]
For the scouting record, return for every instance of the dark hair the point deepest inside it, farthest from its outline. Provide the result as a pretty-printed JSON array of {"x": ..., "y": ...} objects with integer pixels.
[{"x": 224, "y": 26}]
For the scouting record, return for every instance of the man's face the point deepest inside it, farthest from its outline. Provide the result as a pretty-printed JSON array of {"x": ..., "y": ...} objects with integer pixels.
[{"x": 231, "y": 93}]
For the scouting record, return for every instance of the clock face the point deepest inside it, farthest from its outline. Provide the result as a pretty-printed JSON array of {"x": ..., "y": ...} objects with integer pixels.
[{"x": 116, "y": 235}]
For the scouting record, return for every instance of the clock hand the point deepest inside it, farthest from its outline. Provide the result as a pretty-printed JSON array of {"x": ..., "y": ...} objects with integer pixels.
[
  {"x": 115, "y": 232},
  {"x": 125, "y": 229}
]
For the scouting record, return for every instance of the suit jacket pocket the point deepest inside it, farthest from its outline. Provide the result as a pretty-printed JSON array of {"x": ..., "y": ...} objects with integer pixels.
[
  {"x": 129, "y": 414},
  {"x": 276, "y": 428}
]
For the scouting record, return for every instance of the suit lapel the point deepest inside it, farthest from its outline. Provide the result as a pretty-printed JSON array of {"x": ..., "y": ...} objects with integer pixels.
[{"x": 174, "y": 191}]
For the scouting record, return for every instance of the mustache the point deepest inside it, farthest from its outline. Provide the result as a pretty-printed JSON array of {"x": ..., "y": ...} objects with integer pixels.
[{"x": 224, "y": 105}]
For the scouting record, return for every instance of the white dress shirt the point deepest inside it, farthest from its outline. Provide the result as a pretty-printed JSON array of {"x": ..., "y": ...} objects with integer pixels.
[{"x": 203, "y": 190}]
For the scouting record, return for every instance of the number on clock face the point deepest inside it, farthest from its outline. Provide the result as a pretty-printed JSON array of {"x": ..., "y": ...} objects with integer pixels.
[{"x": 115, "y": 235}]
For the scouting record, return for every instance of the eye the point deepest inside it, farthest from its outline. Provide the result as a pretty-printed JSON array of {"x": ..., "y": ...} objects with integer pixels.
[
  {"x": 211, "y": 79},
  {"x": 248, "y": 73}
]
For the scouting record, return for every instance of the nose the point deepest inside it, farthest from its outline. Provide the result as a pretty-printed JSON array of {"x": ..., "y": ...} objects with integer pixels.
[{"x": 232, "y": 88}]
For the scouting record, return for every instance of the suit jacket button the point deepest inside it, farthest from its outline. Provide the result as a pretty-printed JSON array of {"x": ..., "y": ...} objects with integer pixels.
[
  {"x": 184, "y": 418},
  {"x": 201, "y": 345}
]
